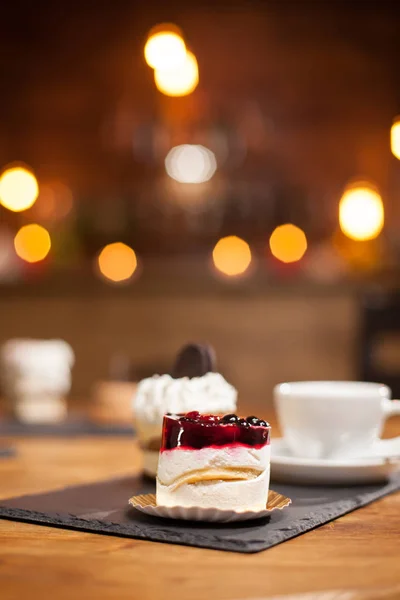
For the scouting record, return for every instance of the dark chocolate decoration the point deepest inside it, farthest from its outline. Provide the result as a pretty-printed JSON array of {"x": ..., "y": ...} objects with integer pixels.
[{"x": 194, "y": 360}]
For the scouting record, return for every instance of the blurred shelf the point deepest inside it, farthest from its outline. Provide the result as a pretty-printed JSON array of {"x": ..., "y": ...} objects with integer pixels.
[{"x": 188, "y": 277}]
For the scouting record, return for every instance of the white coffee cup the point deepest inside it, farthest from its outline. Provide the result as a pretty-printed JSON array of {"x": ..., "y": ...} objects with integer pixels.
[{"x": 333, "y": 419}]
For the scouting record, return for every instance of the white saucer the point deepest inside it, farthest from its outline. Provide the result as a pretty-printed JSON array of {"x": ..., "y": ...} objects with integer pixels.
[{"x": 291, "y": 469}]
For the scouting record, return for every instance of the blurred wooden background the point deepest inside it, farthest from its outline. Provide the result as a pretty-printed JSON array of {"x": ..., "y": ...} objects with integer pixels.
[{"x": 261, "y": 338}]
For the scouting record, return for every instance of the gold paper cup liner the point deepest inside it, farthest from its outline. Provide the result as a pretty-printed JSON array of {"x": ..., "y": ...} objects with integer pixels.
[{"x": 146, "y": 504}]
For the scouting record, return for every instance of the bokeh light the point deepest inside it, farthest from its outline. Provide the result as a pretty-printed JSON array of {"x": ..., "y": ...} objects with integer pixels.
[
  {"x": 179, "y": 81},
  {"x": 117, "y": 262},
  {"x": 18, "y": 189},
  {"x": 232, "y": 256},
  {"x": 361, "y": 213},
  {"x": 288, "y": 243},
  {"x": 395, "y": 138},
  {"x": 190, "y": 163},
  {"x": 54, "y": 203},
  {"x": 32, "y": 243},
  {"x": 165, "y": 49}
]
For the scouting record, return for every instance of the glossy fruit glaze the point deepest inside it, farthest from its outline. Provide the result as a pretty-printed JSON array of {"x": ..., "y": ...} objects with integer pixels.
[{"x": 195, "y": 431}]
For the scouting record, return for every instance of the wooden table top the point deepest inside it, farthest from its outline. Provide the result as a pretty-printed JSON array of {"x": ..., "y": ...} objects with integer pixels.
[{"x": 354, "y": 557}]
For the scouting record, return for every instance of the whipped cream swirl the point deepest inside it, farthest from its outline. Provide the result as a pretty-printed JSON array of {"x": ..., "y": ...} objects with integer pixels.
[{"x": 160, "y": 394}]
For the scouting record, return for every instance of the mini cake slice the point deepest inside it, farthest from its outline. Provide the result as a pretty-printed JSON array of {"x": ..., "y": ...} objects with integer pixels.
[
  {"x": 195, "y": 385},
  {"x": 210, "y": 461}
]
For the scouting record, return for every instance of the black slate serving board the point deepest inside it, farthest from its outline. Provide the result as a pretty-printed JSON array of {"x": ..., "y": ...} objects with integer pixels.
[{"x": 103, "y": 508}]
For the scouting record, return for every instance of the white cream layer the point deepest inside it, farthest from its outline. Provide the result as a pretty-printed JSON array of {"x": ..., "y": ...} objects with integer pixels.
[
  {"x": 175, "y": 463},
  {"x": 248, "y": 494},
  {"x": 161, "y": 394}
]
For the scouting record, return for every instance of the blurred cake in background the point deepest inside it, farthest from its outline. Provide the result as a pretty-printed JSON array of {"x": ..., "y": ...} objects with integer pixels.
[
  {"x": 111, "y": 402},
  {"x": 36, "y": 378},
  {"x": 194, "y": 385},
  {"x": 111, "y": 397}
]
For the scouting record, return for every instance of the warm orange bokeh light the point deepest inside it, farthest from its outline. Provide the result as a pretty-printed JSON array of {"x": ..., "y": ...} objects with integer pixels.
[
  {"x": 395, "y": 138},
  {"x": 288, "y": 243},
  {"x": 165, "y": 49},
  {"x": 117, "y": 262},
  {"x": 232, "y": 256},
  {"x": 18, "y": 189},
  {"x": 179, "y": 81},
  {"x": 32, "y": 243},
  {"x": 361, "y": 212}
]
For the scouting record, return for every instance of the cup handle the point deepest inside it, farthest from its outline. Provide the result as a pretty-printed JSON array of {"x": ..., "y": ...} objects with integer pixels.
[
  {"x": 390, "y": 447},
  {"x": 391, "y": 408}
]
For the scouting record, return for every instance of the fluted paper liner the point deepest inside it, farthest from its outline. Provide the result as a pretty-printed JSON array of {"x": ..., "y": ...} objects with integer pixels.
[{"x": 147, "y": 504}]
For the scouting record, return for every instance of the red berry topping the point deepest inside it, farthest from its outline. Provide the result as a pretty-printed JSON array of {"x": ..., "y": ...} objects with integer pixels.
[
  {"x": 230, "y": 419},
  {"x": 194, "y": 415},
  {"x": 195, "y": 431},
  {"x": 209, "y": 419}
]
